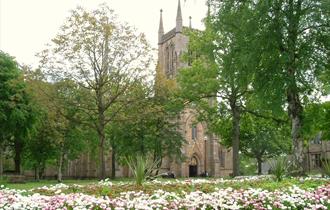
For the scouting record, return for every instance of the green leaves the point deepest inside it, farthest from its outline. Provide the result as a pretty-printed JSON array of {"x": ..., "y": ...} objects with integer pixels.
[
  {"x": 141, "y": 167},
  {"x": 18, "y": 114},
  {"x": 316, "y": 120}
]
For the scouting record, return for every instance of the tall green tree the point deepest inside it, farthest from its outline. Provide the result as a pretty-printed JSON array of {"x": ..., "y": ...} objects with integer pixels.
[
  {"x": 60, "y": 136},
  {"x": 220, "y": 72},
  {"x": 262, "y": 139},
  {"x": 17, "y": 112},
  {"x": 103, "y": 56},
  {"x": 149, "y": 128},
  {"x": 292, "y": 41}
]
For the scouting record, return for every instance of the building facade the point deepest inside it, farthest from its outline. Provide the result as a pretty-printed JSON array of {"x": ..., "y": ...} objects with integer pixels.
[
  {"x": 316, "y": 152},
  {"x": 202, "y": 151}
]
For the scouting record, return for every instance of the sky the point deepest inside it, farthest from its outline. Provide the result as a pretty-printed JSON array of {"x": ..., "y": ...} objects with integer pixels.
[{"x": 27, "y": 26}]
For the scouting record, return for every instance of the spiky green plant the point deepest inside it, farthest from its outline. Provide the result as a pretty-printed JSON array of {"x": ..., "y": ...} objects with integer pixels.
[
  {"x": 279, "y": 168},
  {"x": 326, "y": 167},
  {"x": 141, "y": 168}
]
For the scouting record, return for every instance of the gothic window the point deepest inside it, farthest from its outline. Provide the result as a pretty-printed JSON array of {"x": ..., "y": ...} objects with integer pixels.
[
  {"x": 167, "y": 61},
  {"x": 222, "y": 158},
  {"x": 193, "y": 161},
  {"x": 172, "y": 59},
  {"x": 194, "y": 132},
  {"x": 175, "y": 61}
]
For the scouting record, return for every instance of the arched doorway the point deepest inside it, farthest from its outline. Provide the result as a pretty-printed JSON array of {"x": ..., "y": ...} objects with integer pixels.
[{"x": 193, "y": 167}]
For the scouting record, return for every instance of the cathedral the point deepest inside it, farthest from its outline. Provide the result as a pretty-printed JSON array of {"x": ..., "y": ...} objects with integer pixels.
[{"x": 202, "y": 152}]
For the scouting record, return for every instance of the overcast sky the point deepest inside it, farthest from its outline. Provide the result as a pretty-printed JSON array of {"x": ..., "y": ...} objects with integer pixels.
[{"x": 26, "y": 26}]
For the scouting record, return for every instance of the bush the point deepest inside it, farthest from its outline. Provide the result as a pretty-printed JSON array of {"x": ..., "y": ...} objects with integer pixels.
[
  {"x": 326, "y": 167},
  {"x": 141, "y": 168},
  {"x": 279, "y": 168}
]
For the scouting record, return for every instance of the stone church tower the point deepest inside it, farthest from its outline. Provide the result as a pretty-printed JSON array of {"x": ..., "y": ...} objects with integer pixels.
[{"x": 202, "y": 152}]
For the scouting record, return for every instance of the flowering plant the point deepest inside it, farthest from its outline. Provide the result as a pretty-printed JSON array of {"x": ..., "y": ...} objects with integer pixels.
[{"x": 221, "y": 198}]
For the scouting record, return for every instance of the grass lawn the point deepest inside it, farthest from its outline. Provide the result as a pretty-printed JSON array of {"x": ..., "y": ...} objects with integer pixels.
[{"x": 35, "y": 184}]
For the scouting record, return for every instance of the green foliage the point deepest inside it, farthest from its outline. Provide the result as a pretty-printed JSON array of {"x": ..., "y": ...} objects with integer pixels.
[
  {"x": 18, "y": 115},
  {"x": 316, "y": 120},
  {"x": 263, "y": 138},
  {"x": 326, "y": 167},
  {"x": 222, "y": 71},
  {"x": 149, "y": 126},
  {"x": 291, "y": 46},
  {"x": 104, "y": 59},
  {"x": 141, "y": 167},
  {"x": 105, "y": 191},
  {"x": 248, "y": 165},
  {"x": 279, "y": 168},
  {"x": 59, "y": 135}
]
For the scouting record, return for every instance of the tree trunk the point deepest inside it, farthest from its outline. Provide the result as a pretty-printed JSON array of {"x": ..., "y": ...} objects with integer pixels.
[
  {"x": 235, "y": 137},
  {"x": 59, "y": 169},
  {"x": 42, "y": 170},
  {"x": 101, "y": 132},
  {"x": 295, "y": 108},
  {"x": 113, "y": 163},
  {"x": 36, "y": 172},
  {"x": 1, "y": 160},
  {"x": 259, "y": 163},
  {"x": 17, "y": 159},
  {"x": 298, "y": 147},
  {"x": 102, "y": 158}
]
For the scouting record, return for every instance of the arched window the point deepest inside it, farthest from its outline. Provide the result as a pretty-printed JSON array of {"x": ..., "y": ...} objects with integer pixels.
[
  {"x": 167, "y": 61},
  {"x": 175, "y": 62},
  {"x": 194, "y": 132},
  {"x": 193, "y": 161},
  {"x": 172, "y": 59},
  {"x": 222, "y": 158}
]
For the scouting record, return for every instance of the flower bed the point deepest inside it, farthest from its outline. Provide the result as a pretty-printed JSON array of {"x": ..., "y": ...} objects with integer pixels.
[{"x": 227, "y": 198}]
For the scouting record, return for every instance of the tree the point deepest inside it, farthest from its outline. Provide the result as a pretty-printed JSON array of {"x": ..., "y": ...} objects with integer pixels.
[
  {"x": 8, "y": 74},
  {"x": 17, "y": 113},
  {"x": 102, "y": 56},
  {"x": 40, "y": 149},
  {"x": 149, "y": 128},
  {"x": 263, "y": 138},
  {"x": 59, "y": 135},
  {"x": 292, "y": 42},
  {"x": 220, "y": 70}
]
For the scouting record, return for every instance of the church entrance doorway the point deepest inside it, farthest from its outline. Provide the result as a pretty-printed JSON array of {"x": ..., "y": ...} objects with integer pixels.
[{"x": 193, "y": 170}]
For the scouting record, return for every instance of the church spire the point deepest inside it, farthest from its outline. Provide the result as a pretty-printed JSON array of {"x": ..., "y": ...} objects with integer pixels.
[
  {"x": 161, "y": 28},
  {"x": 190, "y": 22},
  {"x": 178, "y": 28}
]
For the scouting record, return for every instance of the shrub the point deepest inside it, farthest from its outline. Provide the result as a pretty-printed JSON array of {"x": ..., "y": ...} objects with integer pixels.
[
  {"x": 279, "y": 168},
  {"x": 326, "y": 167},
  {"x": 141, "y": 168}
]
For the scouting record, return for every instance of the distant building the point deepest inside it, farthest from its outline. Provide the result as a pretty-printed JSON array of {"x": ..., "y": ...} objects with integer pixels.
[
  {"x": 203, "y": 151},
  {"x": 316, "y": 152}
]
